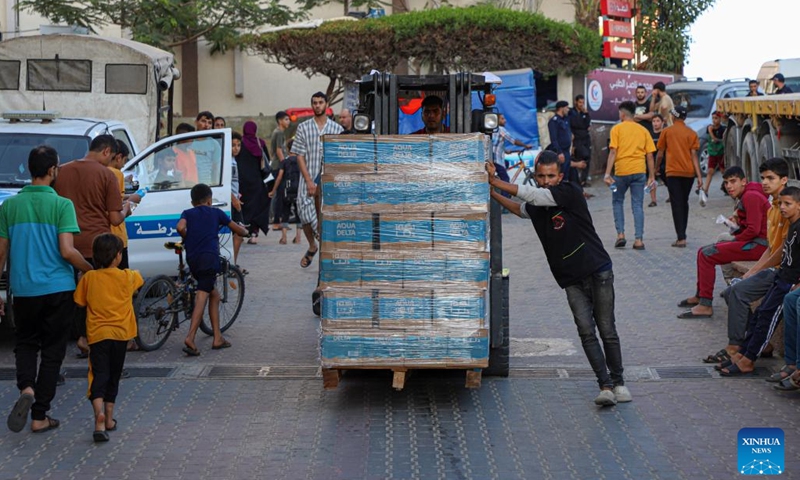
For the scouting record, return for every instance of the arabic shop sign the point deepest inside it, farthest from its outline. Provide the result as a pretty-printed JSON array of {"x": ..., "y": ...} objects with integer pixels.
[
  {"x": 615, "y": 8},
  {"x": 616, "y": 28},
  {"x": 607, "y": 88},
  {"x": 618, "y": 50}
]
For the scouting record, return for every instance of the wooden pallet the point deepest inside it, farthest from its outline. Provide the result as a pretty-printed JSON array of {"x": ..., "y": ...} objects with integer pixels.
[{"x": 332, "y": 376}]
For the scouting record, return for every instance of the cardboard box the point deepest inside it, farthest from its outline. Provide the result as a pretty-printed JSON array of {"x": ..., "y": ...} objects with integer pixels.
[
  {"x": 453, "y": 192},
  {"x": 467, "y": 269},
  {"x": 381, "y": 269},
  {"x": 347, "y": 309},
  {"x": 402, "y": 153},
  {"x": 402, "y": 309},
  {"x": 342, "y": 192},
  {"x": 453, "y": 231},
  {"x": 399, "y": 231},
  {"x": 411, "y": 348},
  {"x": 347, "y": 231},
  {"x": 460, "y": 309},
  {"x": 348, "y": 154},
  {"x": 340, "y": 269},
  {"x": 384, "y": 192},
  {"x": 424, "y": 268}
]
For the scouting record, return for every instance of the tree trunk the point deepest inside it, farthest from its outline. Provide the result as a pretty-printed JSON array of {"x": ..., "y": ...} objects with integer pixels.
[{"x": 190, "y": 97}]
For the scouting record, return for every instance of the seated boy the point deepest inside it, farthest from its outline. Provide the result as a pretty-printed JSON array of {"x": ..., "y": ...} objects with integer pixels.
[
  {"x": 762, "y": 323},
  {"x": 756, "y": 282},
  {"x": 749, "y": 241},
  {"x": 199, "y": 227}
]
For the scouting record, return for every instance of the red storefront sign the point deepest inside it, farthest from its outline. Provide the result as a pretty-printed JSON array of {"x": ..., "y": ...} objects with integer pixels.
[
  {"x": 618, "y": 50},
  {"x": 615, "y": 8},
  {"x": 615, "y": 28}
]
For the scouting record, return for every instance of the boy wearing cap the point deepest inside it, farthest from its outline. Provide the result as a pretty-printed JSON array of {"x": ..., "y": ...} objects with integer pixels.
[
  {"x": 682, "y": 144},
  {"x": 715, "y": 148},
  {"x": 779, "y": 82}
]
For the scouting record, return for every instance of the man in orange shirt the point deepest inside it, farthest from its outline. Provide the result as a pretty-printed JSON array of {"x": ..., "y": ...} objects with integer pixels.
[
  {"x": 683, "y": 167},
  {"x": 631, "y": 156}
]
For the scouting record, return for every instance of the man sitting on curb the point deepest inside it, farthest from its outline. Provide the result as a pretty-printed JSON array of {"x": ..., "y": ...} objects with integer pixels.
[
  {"x": 756, "y": 281},
  {"x": 766, "y": 317},
  {"x": 749, "y": 241}
]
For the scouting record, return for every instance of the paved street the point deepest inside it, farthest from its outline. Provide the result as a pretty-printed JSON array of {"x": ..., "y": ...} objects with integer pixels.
[{"x": 258, "y": 410}]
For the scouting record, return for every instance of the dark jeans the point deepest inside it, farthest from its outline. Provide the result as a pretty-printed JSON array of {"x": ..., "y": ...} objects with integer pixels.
[
  {"x": 592, "y": 304},
  {"x": 106, "y": 359},
  {"x": 761, "y": 324},
  {"x": 42, "y": 328},
  {"x": 679, "y": 189}
]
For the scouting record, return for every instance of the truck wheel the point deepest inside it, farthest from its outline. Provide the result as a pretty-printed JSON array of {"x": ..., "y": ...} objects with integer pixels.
[
  {"x": 499, "y": 361},
  {"x": 731, "y": 146},
  {"x": 703, "y": 158},
  {"x": 766, "y": 149},
  {"x": 750, "y": 156}
]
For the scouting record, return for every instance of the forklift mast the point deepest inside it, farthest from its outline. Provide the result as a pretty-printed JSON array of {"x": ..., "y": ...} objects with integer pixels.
[{"x": 379, "y": 95}]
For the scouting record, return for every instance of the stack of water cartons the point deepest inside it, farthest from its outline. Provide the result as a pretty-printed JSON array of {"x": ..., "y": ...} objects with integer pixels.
[{"x": 404, "y": 256}]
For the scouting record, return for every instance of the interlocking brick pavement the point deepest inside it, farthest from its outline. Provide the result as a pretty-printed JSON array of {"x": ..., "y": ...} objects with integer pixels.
[{"x": 531, "y": 425}]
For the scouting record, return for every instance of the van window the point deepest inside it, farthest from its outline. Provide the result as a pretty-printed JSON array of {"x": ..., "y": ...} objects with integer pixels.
[
  {"x": 178, "y": 166},
  {"x": 60, "y": 75},
  {"x": 15, "y": 148},
  {"x": 126, "y": 78},
  {"x": 9, "y": 74}
]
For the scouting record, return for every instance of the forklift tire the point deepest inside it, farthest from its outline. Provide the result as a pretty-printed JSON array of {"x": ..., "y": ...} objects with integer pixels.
[
  {"x": 316, "y": 304},
  {"x": 499, "y": 361}
]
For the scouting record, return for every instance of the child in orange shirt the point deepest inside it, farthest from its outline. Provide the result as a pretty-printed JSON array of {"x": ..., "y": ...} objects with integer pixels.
[{"x": 106, "y": 293}]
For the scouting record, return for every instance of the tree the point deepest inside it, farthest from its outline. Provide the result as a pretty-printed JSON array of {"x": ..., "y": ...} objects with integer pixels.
[
  {"x": 170, "y": 23},
  {"x": 663, "y": 32},
  {"x": 446, "y": 39},
  {"x": 586, "y": 12}
]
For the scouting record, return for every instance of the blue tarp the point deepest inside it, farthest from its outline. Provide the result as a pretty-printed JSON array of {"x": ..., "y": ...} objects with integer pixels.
[{"x": 516, "y": 99}]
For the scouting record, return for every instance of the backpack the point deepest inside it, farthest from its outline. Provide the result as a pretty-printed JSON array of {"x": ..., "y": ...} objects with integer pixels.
[{"x": 291, "y": 177}]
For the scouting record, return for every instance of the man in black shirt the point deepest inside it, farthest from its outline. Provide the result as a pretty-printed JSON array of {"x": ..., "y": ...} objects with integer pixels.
[
  {"x": 762, "y": 323},
  {"x": 780, "y": 84},
  {"x": 752, "y": 85},
  {"x": 642, "y": 114},
  {"x": 579, "y": 123},
  {"x": 578, "y": 261}
]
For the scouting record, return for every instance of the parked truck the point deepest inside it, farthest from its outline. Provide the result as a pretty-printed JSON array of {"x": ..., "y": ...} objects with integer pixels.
[{"x": 760, "y": 128}]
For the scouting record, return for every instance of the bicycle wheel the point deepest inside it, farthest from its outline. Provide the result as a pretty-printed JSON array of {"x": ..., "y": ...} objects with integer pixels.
[
  {"x": 155, "y": 312},
  {"x": 231, "y": 292}
]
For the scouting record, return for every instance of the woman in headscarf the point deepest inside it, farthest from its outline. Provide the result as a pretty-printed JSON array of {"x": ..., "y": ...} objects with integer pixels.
[{"x": 255, "y": 195}]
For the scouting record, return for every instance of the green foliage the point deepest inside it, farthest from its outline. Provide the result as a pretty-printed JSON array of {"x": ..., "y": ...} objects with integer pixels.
[
  {"x": 664, "y": 36},
  {"x": 170, "y": 23},
  {"x": 446, "y": 39}
]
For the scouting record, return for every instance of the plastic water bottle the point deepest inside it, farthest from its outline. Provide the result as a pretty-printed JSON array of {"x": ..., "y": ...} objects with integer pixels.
[
  {"x": 142, "y": 191},
  {"x": 648, "y": 187},
  {"x": 613, "y": 188}
]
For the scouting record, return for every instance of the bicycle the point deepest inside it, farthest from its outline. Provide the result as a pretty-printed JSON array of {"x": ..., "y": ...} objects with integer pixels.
[
  {"x": 162, "y": 299},
  {"x": 522, "y": 167}
]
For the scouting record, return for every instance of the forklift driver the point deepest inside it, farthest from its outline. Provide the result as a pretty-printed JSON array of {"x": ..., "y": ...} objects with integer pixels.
[{"x": 432, "y": 115}]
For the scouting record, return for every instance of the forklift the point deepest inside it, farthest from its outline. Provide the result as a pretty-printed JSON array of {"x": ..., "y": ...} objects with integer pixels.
[{"x": 380, "y": 100}]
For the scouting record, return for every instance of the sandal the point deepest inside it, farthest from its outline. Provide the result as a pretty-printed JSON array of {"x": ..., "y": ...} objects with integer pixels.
[
  {"x": 100, "y": 436},
  {"x": 719, "y": 357},
  {"x": 296, "y": 240},
  {"x": 735, "y": 371},
  {"x": 19, "y": 414},
  {"x": 685, "y": 303},
  {"x": 620, "y": 243},
  {"x": 786, "y": 385},
  {"x": 52, "y": 423},
  {"x": 725, "y": 364},
  {"x": 252, "y": 241},
  {"x": 308, "y": 258},
  {"x": 192, "y": 352},
  {"x": 653, "y": 204},
  {"x": 779, "y": 375},
  {"x": 225, "y": 344},
  {"x": 282, "y": 241},
  {"x": 678, "y": 244}
]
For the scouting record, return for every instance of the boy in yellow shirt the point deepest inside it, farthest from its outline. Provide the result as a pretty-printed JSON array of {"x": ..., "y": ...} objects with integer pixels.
[{"x": 106, "y": 293}]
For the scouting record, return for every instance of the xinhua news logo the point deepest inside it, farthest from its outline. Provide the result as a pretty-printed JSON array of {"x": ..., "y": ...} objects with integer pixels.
[{"x": 761, "y": 451}]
